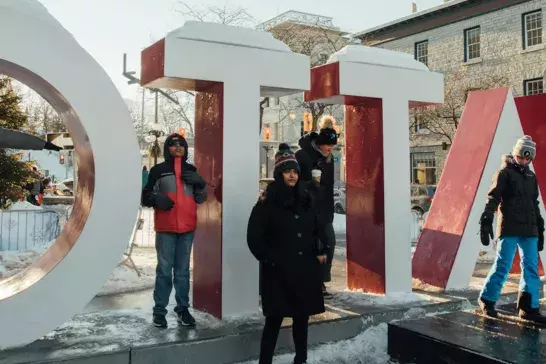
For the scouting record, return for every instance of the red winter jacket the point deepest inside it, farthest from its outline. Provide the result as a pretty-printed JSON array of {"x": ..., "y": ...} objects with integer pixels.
[{"x": 166, "y": 178}]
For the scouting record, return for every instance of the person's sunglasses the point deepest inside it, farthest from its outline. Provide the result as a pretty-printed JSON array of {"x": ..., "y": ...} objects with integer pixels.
[{"x": 175, "y": 144}]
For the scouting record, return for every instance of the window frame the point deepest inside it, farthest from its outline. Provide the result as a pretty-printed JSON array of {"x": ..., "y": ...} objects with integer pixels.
[
  {"x": 529, "y": 81},
  {"x": 467, "y": 45},
  {"x": 416, "y": 53},
  {"x": 524, "y": 30},
  {"x": 424, "y": 157}
]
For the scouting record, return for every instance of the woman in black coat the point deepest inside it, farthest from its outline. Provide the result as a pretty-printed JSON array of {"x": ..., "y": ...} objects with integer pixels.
[{"x": 283, "y": 234}]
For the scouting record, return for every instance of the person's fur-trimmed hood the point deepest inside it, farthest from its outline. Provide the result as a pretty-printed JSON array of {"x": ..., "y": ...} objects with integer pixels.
[{"x": 506, "y": 160}]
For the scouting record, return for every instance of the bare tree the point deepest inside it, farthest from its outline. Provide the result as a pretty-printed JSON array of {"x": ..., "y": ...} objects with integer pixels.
[
  {"x": 176, "y": 114},
  {"x": 318, "y": 42},
  {"x": 42, "y": 118},
  {"x": 441, "y": 121},
  {"x": 237, "y": 16}
]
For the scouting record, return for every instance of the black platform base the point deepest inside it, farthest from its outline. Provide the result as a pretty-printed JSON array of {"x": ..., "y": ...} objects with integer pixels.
[{"x": 466, "y": 337}]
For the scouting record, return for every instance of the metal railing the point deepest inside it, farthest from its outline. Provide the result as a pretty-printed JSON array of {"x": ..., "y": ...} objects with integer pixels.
[
  {"x": 145, "y": 234},
  {"x": 27, "y": 229}
]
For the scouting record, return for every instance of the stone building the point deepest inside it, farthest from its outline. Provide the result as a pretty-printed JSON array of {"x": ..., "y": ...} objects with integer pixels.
[{"x": 477, "y": 44}]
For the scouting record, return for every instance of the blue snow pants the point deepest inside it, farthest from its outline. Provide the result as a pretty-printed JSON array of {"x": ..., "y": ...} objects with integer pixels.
[{"x": 506, "y": 250}]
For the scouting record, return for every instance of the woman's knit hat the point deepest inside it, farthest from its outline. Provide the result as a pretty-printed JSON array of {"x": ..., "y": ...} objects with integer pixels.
[
  {"x": 525, "y": 147},
  {"x": 285, "y": 159},
  {"x": 327, "y": 134}
]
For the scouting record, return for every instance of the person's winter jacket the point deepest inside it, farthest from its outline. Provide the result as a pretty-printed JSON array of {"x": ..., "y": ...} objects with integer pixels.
[
  {"x": 13, "y": 139},
  {"x": 514, "y": 192},
  {"x": 283, "y": 234},
  {"x": 310, "y": 158},
  {"x": 174, "y": 189}
]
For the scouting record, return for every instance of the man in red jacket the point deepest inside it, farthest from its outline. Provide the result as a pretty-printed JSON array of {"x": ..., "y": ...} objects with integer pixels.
[{"x": 174, "y": 189}]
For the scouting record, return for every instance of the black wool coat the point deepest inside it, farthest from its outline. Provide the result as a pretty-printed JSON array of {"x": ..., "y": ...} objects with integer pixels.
[
  {"x": 514, "y": 192},
  {"x": 283, "y": 234},
  {"x": 309, "y": 159}
]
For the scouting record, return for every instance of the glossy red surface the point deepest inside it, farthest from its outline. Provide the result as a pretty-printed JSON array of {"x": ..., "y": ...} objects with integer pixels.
[
  {"x": 324, "y": 82},
  {"x": 439, "y": 242},
  {"x": 365, "y": 195},
  {"x": 531, "y": 110},
  {"x": 152, "y": 61},
  {"x": 207, "y": 254}
]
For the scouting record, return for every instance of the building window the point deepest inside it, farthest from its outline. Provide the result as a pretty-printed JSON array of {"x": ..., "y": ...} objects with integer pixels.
[
  {"x": 533, "y": 87},
  {"x": 419, "y": 123},
  {"x": 423, "y": 168},
  {"x": 472, "y": 44},
  {"x": 421, "y": 52},
  {"x": 266, "y": 104},
  {"x": 532, "y": 29}
]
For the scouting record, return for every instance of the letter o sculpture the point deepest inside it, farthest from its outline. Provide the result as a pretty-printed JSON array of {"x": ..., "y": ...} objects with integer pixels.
[{"x": 36, "y": 50}]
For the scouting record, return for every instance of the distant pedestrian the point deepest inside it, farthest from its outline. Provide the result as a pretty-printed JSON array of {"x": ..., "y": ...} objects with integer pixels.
[
  {"x": 145, "y": 175},
  {"x": 317, "y": 163},
  {"x": 174, "y": 189},
  {"x": 283, "y": 234}
]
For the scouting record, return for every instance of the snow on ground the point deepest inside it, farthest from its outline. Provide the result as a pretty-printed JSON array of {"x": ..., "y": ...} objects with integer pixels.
[
  {"x": 12, "y": 262},
  {"x": 125, "y": 279},
  {"x": 105, "y": 331},
  {"x": 369, "y": 347}
]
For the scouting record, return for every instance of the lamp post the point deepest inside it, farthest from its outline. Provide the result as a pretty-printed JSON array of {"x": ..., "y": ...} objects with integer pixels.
[
  {"x": 156, "y": 135},
  {"x": 267, "y": 148}
]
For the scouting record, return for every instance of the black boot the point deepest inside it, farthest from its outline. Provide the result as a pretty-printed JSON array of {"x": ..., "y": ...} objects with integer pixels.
[
  {"x": 487, "y": 307},
  {"x": 526, "y": 312}
]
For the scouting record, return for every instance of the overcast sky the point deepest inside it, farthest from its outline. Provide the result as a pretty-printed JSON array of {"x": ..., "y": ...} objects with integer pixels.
[{"x": 109, "y": 28}]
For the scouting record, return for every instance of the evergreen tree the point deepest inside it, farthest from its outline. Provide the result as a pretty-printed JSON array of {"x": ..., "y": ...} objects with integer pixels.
[{"x": 14, "y": 172}]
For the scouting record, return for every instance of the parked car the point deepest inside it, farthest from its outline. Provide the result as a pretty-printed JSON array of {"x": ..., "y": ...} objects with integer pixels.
[
  {"x": 340, "y": 206},
  {"x": 421, "y": 198},
  {"x": 340, "y": 185}
]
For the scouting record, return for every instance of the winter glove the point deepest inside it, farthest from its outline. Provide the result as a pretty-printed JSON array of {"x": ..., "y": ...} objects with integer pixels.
[
  {"x": 194, "y": 179},
  {"x": 486, "y": 227},
  {"x": 51, "y": 146},
  {"x": 163, "y": 202},
  {"x": 540, "y": 226}
]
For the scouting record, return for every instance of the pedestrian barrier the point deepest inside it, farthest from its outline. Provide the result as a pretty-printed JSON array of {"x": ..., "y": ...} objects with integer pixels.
[
  {"x": 416, "y": 227},
  {"x": 28, "y": 229},
  {"x": 145, "y": 233}
]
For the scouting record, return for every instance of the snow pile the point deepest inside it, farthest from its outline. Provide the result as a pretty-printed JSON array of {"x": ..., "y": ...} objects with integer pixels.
[
  {"x": 369, "y": 347},
  {"x": 12, "y": 263},
  {"x": 24, "y": 205},
  {"x": 359, "y": 297}
]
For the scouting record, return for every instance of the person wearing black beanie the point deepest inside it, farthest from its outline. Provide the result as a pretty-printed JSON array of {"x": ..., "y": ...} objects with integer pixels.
[
  {"x": 283, "y": 235},
  {"x": 316, "y": 155}
]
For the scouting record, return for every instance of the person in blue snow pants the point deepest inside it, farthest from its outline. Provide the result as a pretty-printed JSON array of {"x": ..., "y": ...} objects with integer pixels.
[{"x": 514, "y": 192}]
